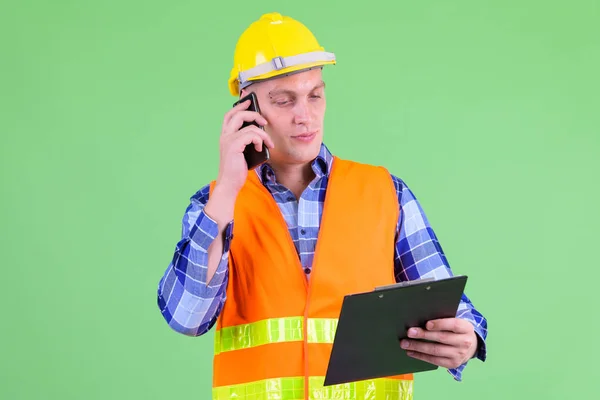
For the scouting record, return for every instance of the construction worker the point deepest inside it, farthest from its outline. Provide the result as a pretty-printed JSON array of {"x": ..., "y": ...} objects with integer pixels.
[{"x": 266, "y": 255}]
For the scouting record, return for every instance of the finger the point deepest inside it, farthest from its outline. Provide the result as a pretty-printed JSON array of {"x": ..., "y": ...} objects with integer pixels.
[
  {"x": 244, "y": 116},
  {"x": 250, "y": 135},
  {"x": 265, "y": 136},
  {"x": 456, "y": 325},
  {"x": 256, "y": 140},
  {"x": 238, "y": 107},
  {"x": 445, "y": 337},
  {"x": 439, "y": 361},
  {"x": 434, "y": 349}
]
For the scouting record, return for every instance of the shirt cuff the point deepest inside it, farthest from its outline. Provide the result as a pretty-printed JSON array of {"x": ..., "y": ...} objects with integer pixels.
[
  {"x": 227, "y": 237},
  {"x": 202, "y": 234},
  {"x": 481, "y": 352},
  {"x": 205, "y": 230}
]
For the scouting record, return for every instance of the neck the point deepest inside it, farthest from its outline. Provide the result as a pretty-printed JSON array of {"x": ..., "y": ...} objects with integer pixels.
[{"x": 294, "y": 177}]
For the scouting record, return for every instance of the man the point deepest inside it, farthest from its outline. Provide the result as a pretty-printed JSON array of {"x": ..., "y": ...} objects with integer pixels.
[{"x": 249, "y": 260}]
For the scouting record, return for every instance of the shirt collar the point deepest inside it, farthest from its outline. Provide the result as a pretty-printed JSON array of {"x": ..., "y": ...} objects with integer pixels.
[{"x": 321, "y": 166}]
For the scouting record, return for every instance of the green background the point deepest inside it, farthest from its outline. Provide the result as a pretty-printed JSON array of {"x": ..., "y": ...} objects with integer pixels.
[{"x": 110, "y": 117}]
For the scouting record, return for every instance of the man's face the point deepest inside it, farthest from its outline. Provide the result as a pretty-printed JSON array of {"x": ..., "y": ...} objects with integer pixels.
[{"x": 294, "y": 107}]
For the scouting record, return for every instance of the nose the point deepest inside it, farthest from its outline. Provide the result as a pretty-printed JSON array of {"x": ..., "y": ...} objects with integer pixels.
[{"x": 301, "y": 112}]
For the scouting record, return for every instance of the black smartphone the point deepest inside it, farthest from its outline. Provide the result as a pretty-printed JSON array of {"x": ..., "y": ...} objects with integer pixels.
[{"x": 253, "y": 157}]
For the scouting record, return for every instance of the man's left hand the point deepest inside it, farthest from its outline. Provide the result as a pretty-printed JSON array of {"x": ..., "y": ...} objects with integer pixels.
[{"x": 455, "y": 342}]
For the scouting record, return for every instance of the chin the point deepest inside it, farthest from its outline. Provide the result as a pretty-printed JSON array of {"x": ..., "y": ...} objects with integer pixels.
[
  {"x": 311, "y": 151},
  {"x": 295, "y": 155}
]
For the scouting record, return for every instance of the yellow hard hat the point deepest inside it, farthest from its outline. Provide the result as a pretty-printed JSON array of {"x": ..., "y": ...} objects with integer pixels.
[{"x": 272, "y": 46}]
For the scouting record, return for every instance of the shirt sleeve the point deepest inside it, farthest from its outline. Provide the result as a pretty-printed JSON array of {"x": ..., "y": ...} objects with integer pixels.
[
  {"x": 188, "y": 303},
  {"x": 419, "y": 255}
]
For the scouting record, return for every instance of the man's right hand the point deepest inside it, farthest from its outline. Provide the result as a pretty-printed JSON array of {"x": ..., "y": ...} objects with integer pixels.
[
  {"x": 233, "y": 172},
  {"x": 233, "y": 169}
]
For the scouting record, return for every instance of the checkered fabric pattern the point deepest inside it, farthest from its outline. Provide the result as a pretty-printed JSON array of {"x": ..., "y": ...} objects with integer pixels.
[{"x": 191, "y": 307}]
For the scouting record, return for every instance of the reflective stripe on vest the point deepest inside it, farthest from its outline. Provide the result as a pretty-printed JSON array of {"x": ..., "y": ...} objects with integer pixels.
[
  {"x": 274, "y": 330},
  {"x": 274, "y": 335},
  {"x": 293, "y": 389}
]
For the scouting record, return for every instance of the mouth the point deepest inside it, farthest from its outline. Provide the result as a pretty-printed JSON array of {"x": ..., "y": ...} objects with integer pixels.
[{"x": 305, "y": 136}]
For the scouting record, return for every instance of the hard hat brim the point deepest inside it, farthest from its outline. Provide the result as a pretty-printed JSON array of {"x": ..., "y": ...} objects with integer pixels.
[{"x": 279, "y": 67}]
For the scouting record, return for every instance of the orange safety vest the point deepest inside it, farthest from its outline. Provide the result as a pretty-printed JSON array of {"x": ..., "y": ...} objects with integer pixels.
[{"x": 274, "y": 335}]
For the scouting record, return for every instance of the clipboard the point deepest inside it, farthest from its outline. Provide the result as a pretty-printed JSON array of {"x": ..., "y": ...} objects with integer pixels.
[{"x": 370, "y": 326}]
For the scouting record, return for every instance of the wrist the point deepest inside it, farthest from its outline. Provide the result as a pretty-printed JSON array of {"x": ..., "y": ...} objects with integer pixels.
[
  {"x": 221, "y": 204},
  {"x": 475, "y": 347},
  {"x": 225, "y": 192}
]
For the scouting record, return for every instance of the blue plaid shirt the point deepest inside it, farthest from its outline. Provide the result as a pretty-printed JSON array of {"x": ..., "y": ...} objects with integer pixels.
[{"x": 191, "y": 307}]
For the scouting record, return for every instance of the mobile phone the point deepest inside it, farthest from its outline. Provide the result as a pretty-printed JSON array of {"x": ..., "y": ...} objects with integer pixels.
[{"x": 253, "y": 158}]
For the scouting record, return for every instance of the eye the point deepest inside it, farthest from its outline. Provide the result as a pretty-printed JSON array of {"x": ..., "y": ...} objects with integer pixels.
[{"x": 281, "y": 101}]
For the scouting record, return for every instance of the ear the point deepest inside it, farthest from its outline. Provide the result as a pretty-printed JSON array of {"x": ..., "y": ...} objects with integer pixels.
[{"x": 250, "y": 88}]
